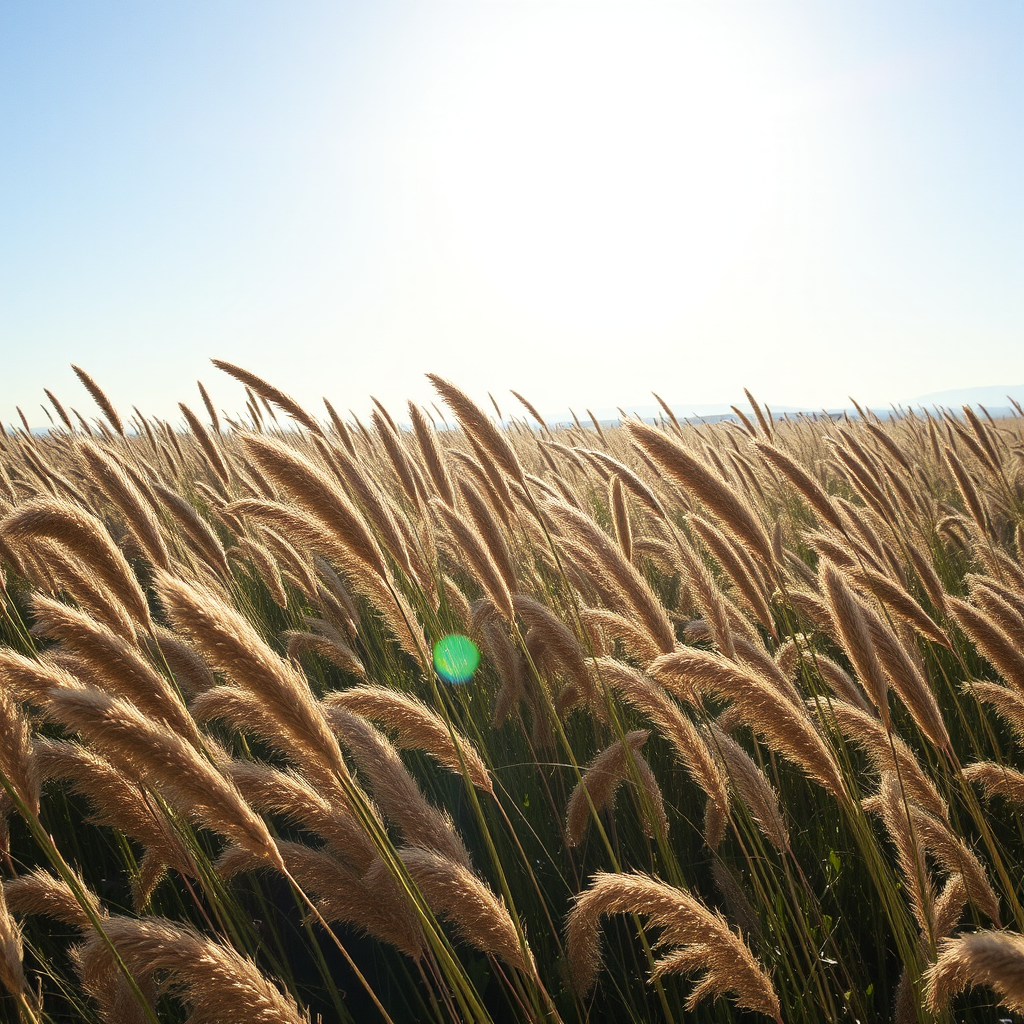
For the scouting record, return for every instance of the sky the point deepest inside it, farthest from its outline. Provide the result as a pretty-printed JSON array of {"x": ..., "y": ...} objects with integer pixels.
[{"x": 583, "y": 201}]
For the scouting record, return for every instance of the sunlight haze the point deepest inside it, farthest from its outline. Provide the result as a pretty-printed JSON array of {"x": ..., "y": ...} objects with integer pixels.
[{"x": 582, "y": 201}]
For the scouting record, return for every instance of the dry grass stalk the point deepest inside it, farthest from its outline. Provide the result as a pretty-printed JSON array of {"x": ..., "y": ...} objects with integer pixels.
[
  {"x": 399, "y": 461},
  {"x": 471, "y": 548},
  {"x": 600, "y": 782},
  {"x": 803, "y": 481},
  {"x": 765, "y": 422},
  {"x": 266, "y": 568},
  {"x": 902, "y": 604},
  {"x": 629, "y": 479},
  {"x": 269, "y": 394},
  {"x": 737, "y": 568},
  {"x": 690, "y": 746},
  {"x": 991, "y": 959},
  {"x": 633, "y": 586},
  {"x": 753, "y": 787},
  {"x": 508, "y": 662},
  {"x": 394, "y": 789},
  {"x": 992, "y": 642},
  {"x": 100, "y": 399},
  {"x": 620, "y": 517},
  {"x": 217, "y": 984},
  {"x": 709, "y": 943},
  {"x": 636, "y": 643},
  {"x": 164, "y": 761},
  {"x": 432, "y": 456},
  {"x": 84, "y": 535},
  {"x": 12, "y": 972},
  {"x": 418, "y": 728},
  {"x": 997, "y": 780},
  {"x": 886, "y": 752},
  {"x": 42, "y": 894},
  {"x": 759, "y": 705},
  {"x": 851, "y": 624},
  {"x": 333, "y": 648},
  {"x": 454, "y": 892},
  {"x": 487, "y": 530},
  {"x": 231, "y": 645},
  {"x": 113, "y": 664},
  {"x": 928, "y": 577},
  {"x": 968, "y": 490},
  {"x": 287, "y": 793},
  {"x": 208, "y": 445},
  {"x": 126, "y": 497},
  {"x": 191, "y": 674},
  {"x": 18, "y": 768},
  {"x": 717, "y": 496},
  {"x": 479, "y": 428}
]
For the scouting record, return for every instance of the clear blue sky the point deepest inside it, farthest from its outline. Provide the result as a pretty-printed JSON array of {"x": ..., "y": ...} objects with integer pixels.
[{"x": 583, "y": 201}]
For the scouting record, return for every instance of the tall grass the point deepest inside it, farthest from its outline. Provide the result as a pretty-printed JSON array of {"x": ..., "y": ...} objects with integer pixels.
[{"x": 745, "y": 741}]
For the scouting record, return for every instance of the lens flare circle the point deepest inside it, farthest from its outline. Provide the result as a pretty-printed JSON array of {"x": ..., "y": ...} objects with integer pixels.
[{"x": 456, "y": 658}]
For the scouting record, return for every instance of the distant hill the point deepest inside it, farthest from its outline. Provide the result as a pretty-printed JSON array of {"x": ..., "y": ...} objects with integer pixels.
[{"x": 994, "y": 397}]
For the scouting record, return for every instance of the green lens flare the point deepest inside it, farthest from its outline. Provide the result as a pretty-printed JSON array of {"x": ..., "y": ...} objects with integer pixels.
[{"x": 456, "y": 659}]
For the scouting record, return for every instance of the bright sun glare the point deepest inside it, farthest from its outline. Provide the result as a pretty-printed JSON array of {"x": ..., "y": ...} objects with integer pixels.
[{"x": 603, "y": 179}]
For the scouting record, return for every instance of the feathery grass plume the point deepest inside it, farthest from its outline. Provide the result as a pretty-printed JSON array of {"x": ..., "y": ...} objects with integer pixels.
[
  {"x": 100, "y": 399},
  {"x": 371, "y": 900},
  {"x": 479, "y": 428},
  {"x": 119, "y": 803},
  {"x": 1008, "y": 702},
  {"x": 738, "y": 567},
  {"x": 217, "y": 984},
  {"x": 333, "y": 648},
  {"x": 729, "y": 965},
  {"x": 632, "y": 585},
  {"x": 12, "y": 972},
  {"x": 690, "y": 746},
  {"x": 1004, "y": 613},
  {"x": 851, "y": 624},
  {"x": 886, "y": 752},
  {"x": 890, "y": 804},
  {"x": 453, "y": 892},
  {"x": 991, "y": 640},
  {"x": 600, "y": 782},
  {"x": 954, "y": 857},
  {"x": 394, "y": 789},
  {"x": 209, "y": 447},
  {"x": 18, "y": 767},
  {"x": 717, "y": 496},
  {"x": 752, "y": 654},
  {"x": 908, "y": 681},
  {"x": 233, "y": 646},
  {"x": 191, "y": 674},
  {"x": 558, "y": 647},
  {"x": 149, "y": 752},
  {"x": 890, "y": 446},
  {"x": 668, "y": 412},
  {"x": 270, "y": 394},
  {"x": 60, "y": 409},
  {"x": 636, "y": 643},
  {"x": 432, "y": 457},
  {"x": 508, "y": 661},
  {"x": 418, "y": 728},
  {"x": 532, "y": 410},
  {"x": 266, "y": 568},
  {"x": 271, "y": 790},
  {"x": 990, "y": 959},
  {"x": 399, "y": 460},
  {"x": 113, "y": 664},
  {"x": 210, "y": 410},
  {"x": 39, "y": 893},
  {"x": 927, "y": 575},
  {"x": 84, "y": 535},
  {"x": 753, "y": 788},
  {"x": 491, "y": 482},
  {"x": 629, "y": 479},
  {"x": 765, "y": 422},
  {"x": 968, "y": 490},
  {"x": 620, "y": 517},
  {"x": 317, "y": 495},
  {"x": 997, "y": 780},
  {"x": 488, "y": 532},
  {"x": 802, "y": 481},
  {"x": 759, "y": 705},
  {"x": 469, "y": 546},
  {"x": 902, "y": 604}
]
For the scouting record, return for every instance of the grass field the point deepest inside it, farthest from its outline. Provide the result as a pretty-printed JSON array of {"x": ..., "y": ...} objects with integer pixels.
[{"x": 744, "y": 741}]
